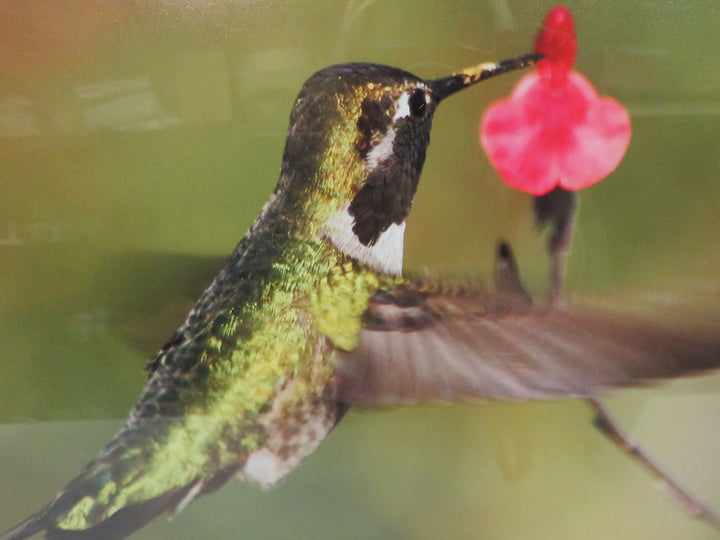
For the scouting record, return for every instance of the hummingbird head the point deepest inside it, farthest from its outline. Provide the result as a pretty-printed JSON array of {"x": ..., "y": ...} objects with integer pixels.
[{"x": 355, "y": 148}]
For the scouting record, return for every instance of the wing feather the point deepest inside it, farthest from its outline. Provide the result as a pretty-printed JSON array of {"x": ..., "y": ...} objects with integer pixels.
[{"x": 433, "y": 343}]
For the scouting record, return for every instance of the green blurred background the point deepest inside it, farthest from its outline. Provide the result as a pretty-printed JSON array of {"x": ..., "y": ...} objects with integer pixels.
[{"x": 138, "y": 140}]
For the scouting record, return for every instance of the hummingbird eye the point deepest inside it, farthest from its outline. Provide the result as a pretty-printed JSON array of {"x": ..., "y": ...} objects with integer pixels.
[{"x": 417, "y": 103}]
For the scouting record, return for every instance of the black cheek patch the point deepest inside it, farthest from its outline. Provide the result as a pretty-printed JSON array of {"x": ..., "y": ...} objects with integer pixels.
[
  {"x": 382, "y": 201},
  {"x": 387, "y": 194},
  {"x": 373, "y": 121}
]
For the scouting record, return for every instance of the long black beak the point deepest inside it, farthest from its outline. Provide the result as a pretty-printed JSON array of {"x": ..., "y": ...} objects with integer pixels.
[{"x": 447, "y": 86}]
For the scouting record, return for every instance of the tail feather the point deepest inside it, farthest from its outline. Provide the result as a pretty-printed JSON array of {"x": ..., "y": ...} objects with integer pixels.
[
  {"x": 26, "y": 529},
  {"x": 120, "y": 525},
  {"x": 120, "y": 491}
]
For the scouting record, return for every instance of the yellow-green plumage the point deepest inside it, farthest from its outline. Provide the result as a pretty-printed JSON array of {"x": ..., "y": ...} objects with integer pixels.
[{"x": 282, "y": 338}]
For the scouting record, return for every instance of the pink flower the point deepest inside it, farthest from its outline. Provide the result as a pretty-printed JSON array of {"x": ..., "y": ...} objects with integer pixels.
[{"x": 555, "y": 130}]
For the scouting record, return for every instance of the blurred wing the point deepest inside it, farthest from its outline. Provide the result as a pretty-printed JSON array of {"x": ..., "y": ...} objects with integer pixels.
[{"x": 430, "y": 342}]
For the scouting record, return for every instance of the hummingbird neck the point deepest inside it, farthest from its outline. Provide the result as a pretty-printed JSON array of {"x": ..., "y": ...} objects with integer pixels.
[{"x": 384, "y": 255}]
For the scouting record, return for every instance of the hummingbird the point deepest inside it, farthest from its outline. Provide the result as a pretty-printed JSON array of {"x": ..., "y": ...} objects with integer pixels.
[{"x": 311, "y": 315}]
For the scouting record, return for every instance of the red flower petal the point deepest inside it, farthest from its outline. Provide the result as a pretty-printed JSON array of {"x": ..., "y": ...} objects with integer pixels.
[
  {"x": 547, "y": 135},
  {"x": 601, "y": 141}
]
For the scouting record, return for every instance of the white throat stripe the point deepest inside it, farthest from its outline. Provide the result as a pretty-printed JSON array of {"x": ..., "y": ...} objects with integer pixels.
[{"x": 385, "y": 255}]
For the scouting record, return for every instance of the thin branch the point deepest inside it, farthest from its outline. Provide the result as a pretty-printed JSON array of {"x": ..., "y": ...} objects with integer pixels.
[{"x": 692, "y": 505}]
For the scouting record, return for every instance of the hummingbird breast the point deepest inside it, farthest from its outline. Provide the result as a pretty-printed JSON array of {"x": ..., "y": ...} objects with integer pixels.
[
  {"x": 295, "y": 424},
  {"x": 259, "y": 393}
]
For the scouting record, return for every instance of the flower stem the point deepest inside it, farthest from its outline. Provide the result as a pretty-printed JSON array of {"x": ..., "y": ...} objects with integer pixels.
[{"x": 557, "y": 208}]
